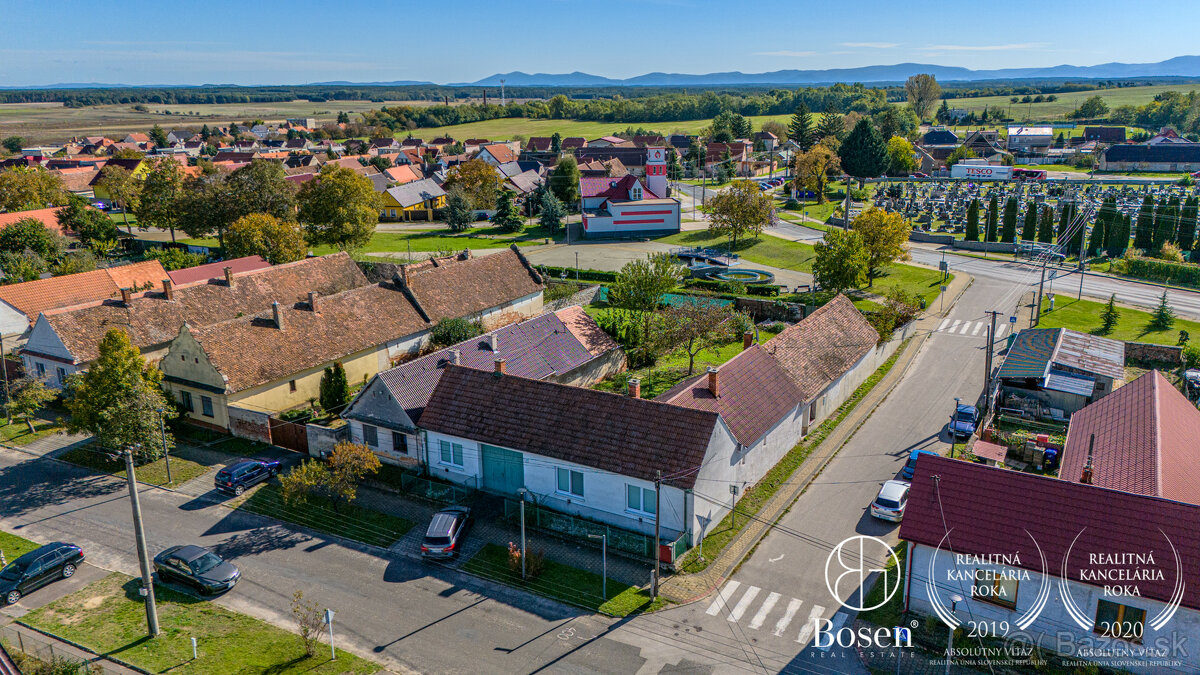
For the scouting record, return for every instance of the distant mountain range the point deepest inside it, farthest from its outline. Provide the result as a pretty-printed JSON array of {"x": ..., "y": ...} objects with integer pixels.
[{"x": 1180, "y": 66}]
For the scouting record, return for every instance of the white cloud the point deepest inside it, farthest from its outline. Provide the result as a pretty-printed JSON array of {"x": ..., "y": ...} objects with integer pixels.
[
  {"x": 871, "y": 45},
  {"x": 785, "y": 52},
  {"x": 988, "y": 48}
]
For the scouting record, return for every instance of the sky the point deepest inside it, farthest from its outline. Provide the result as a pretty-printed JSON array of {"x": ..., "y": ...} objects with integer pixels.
[{"x": 300, "y": 41}]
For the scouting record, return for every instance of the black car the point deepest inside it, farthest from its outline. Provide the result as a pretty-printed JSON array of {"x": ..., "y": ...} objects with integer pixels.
[
  {"x": 445, "y": 532},
  {"x": 237, "y": 477},
  {"x": 38, "y": 568},
  {"x": 197, "y": 567}
]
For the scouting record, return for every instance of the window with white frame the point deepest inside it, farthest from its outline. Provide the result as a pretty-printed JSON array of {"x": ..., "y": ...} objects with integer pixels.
[
  {"x": 451, "y": 453},
  {"x": 639, "y": 499},
  {"x": 570, "y": 482}
]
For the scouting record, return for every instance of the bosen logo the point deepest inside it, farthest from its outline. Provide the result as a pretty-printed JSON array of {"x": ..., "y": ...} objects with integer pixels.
[{"x": 853, "y": 558}]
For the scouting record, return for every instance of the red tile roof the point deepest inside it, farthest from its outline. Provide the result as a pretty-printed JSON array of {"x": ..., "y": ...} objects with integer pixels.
[
  {"x": 403, "y": 174},
  {"x": 34, "y": 297},
  {"x": 989, "y": 510},
  {"x": 463, "y": 287},
  {"x": 1146, "y": 441},
  {"x": 501, "y": 152},
  {"x": 613, "y": 188},
  {"x": 823, "y": 346},
  {"x": 216, "y": 270},
  {"x": 48, "y": 217}
]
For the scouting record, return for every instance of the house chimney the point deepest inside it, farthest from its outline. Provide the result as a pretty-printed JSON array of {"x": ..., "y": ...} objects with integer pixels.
[
  {"x": 126, "y": 294},
  {"x": 229, "y": 277},
  {"x": 275, "y": 313},
  {"x": 747, "y": 339},
  {"x": 499, "y": 366},
  {"x": 168, "y": 289},
  {"x": 635, "y": 387},
  {"x": 492, "y": 342},
  {"x": 455, "y": 357},
  {"x": 714, "y": 383},
  {"x": 1086, "y": 478},
  {"x": 312, "y": 300}
]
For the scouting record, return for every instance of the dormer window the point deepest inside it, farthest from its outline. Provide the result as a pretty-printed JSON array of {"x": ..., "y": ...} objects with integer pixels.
[{"x": 636, "y": 193}]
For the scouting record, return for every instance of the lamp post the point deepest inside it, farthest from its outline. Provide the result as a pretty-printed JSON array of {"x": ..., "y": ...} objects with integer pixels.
[
  {"x": 522, "y": 493},
  {"x": 954, "y": 600},
  {"x": 162, "y": 429},
  {"x": 953, "y": 415},
  {"x": 603, "y": 562}
]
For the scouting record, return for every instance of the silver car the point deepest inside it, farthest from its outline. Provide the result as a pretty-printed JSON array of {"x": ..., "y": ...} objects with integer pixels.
[
  {"x": 445, "y": 532},
  {"x": 890, "y": 503}
]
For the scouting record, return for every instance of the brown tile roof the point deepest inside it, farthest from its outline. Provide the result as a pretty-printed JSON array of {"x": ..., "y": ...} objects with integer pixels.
[
  {"x": 585, "y": 329},
  {"x": 34, "y": 297},
  {"x": 463, "y": 287},
  {"x": 501, "y": 152},
  {"x": 216, "y": 270},
  {"x": 574, "y": 142},
  {"x": 622, "y": 435},
  {"x": 251, "y": 351},
  {"x": 48, "y": 217},
  {"x": 78, "y": 179},
  {"x": 823, "y": 346},
  {"x": 403, "y": 174},
  {"x": 151, "y": 320},
  {"x": 756, "y": 393},
  {"x": 1145, "y": 443}
]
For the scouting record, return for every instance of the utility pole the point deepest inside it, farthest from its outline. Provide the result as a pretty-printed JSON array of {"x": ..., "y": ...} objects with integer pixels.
[
  {"x": 1082, "y": 272},
  {"x": 162, "y": 429},
  {"x": 522, "y": 492},
  {"x": 657, "y": 544},
  {"x": 4, "y": 367},
  {"x": 987, "y": 376},
  {"x": 1037, "y": 315},
  {"x": 140, "y": 537}
]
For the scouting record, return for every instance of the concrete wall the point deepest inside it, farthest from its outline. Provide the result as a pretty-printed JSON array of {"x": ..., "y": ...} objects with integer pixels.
[
  {"x": 511, "y": 312},
  {"x": 930, "y": 238},
  {"x": 763, "y": 309},
  {"x": 584, "y": 297},
  {"x": 593, "y": 371},
  {"x": 989, "y": 246},
  {"x": 321, "y": 439},
  {"x": 1054, "y": 626}
]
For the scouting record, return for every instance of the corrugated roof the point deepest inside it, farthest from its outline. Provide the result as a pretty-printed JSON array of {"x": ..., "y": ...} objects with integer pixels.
[
  {"x": 1030, "y": 354},
  {"x": 1058, "y": 380},
  {"x": 1091, "y": 354}
]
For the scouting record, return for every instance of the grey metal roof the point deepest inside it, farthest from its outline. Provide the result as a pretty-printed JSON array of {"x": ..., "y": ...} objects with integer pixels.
[
  {"x": 1058, "y": 380},
  {"x": 416, "y": 192},
  {"x": 1091, "y": 354},
  {"x": 1030, "y": 353}
]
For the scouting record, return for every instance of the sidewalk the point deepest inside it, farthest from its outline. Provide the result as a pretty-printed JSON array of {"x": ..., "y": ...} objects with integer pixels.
[{"x": 692, "y": 587}]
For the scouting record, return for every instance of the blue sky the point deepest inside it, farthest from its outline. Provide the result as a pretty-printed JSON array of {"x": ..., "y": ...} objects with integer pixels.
[{"x": 267, "y": 42}]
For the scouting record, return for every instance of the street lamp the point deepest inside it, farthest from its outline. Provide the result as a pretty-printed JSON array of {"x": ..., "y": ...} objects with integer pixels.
[
  {"x": 522, "y": 491},
  {"x": 955, "y": 598},
  {"x": 603, "y": 562},
  {"x": 952, "y": 433},
  {"x": 162, "y": 429}
]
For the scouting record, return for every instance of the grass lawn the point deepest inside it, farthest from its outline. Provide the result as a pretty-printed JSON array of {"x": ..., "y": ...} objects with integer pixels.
[
  {"x": 821, "y": 212},
  {"x": 350, "y": 520},
  {"x": 431, "y": 240},
  {"x": 765, "y": 250},
  {"x": 108, "y": 618},
  {"x": 154, "y": 473},
  {"x": 1084, "y": 316},
  {"x": 565, "y": 583},
  {"x": 757, "y": 496},
  {"x": 509, "y": 127},
  {"x": 14, "y": 547},
  {"x": 17, "y": 433},
  {"x": 920, "y": 281}
]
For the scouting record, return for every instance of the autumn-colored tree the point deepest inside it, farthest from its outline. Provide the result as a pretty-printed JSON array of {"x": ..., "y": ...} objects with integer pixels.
[
  {"x": 339, "y": 207},
  {"x": 278, "y": 241},
  {"x": 158, "y": 204},
  {"x": 479, "y": 182},
  {"x": 692, "y": 327},
  {"x": 923, "y": 93},
  {"x": 811, "y": 170},
  {"x": 741, "y": 209},
  {"x": 884, "y": 235},
  {"x": 24, "y": 188},
  {"x": 122, "y": 189},
  {"x": 900, "y": 156}
]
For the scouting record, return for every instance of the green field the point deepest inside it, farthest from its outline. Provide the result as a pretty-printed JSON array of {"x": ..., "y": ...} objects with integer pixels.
[
  {"x": 513, "y": 126},
  {"x": 1067, "y": 102},
  {"x": 1084, "y": 316}
]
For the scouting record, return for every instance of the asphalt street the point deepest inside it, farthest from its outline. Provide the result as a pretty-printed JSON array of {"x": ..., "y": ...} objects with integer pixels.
[{"x": 766, "y": 608}]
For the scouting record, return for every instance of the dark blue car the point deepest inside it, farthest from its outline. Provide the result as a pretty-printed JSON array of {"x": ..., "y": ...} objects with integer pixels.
[
  {"x": 240, "y": 476},
  {"x": 911, "y": 465},
  {"x": 962, "y": 425}
]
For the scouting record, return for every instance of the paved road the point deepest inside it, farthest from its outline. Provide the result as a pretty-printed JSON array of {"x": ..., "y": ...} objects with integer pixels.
[{"x": 768, "y": 605}]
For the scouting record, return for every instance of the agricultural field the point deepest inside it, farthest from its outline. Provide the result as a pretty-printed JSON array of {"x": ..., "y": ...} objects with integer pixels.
[
  {"x": 1067, "y": 101},
  {"x": 520, "y": 126}
]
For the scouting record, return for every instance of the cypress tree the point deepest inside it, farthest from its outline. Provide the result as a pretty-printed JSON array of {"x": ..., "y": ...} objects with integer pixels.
[
  {"x": 1186, "y": 234},
  {"x": 1105, "y": 221},
  {"x": 993, "y": 218},
  {"x": 800, "y": 129},
  {"x": 1009, "y": 232},
  {"x": 1078, "y": 230},
  {"x": 1029, "y": 229},
  {"x": 1164, "y": 224},
  {"x": 1117, "y": 237},
  {"x": 972, "y": 221},
  {"x": 1045, "y": 231},
  {"x": 1064, "y": 219},
  {"x": 1143, "y": 235}
]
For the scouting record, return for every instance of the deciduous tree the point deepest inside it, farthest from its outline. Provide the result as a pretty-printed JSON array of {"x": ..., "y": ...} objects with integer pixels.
[
  {"x": 158, "y": 203},
  {"x": 339, "y": 208},
  {"x": 122, "y": 189},
  {"x": 883, "y": 235},
  {"x": 23, "y": 188},
  {"x": 564, "y": 181},
  {"x": 900, "y": 156},
  {"x": 31, "y": 234},
  {"x": 740, "y": 210},
  {"x": 278, "y": 241},
  {"x": 478, "y": 181},
  {"x": 811, "y": 170},
  {"x": 27, "y": 397},
  {"x": 923, "y": 93},
  {"x": 841, "y": 261},
  {"x": 692, "y": 327}
]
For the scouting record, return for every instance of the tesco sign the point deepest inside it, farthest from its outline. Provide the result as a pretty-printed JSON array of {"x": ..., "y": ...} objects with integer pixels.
[{"x": 981, "y": 172}]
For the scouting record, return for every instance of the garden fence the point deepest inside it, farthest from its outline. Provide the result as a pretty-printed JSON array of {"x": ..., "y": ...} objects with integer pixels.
[
  {"x": 581, "y": 529},
  {"x": 48, "y": 651}
]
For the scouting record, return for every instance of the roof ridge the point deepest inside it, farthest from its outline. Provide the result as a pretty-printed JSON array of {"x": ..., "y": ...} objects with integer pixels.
[{"x": 1156, "y": 388}]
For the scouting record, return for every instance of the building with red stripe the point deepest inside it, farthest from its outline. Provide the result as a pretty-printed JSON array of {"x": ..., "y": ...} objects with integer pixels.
[{"x": 630, "y": 206}]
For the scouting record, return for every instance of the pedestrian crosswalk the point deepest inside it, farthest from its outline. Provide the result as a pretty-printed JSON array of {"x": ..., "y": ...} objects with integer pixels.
[
  {"x": 971, "y": 328},
  {"x": 735, "y": 607}
]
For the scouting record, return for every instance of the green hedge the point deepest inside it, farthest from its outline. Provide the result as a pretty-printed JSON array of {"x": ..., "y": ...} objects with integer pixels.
[
  {"x": 768, "y": 291},
  {"x": 1163, "y": 271},
  {"x": 584, "y": 275}
]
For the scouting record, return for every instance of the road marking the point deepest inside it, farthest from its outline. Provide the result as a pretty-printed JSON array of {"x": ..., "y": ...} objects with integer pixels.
[
  {"x": 1000, "y": 330},
  {"x": 776, "y": 559},
  {"x": 722, "y": 597},
  {"x": 763, "y": 611},
  {"x": 744, "y": 603},
  {"x": 978, "y": 325},
  {"x": 806, "y": 632},
  {"x": 942, "y": 326},
  {"x": 792, "y": 608},
  {"x": 838, "y": 620},
  {"x": 954, "y": 326},
  {"x": 966, "y": 325}
]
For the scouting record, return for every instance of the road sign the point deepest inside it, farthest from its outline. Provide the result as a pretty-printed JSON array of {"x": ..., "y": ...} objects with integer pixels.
[{"x": 1012, "y": 319}]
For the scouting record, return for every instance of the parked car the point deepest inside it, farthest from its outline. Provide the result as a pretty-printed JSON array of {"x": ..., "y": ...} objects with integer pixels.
[
  {"x": 37, "y": 568},
  {"x": 890, "y": 502},
  {"x": 962, "y": 424},
  {"x": 445, "y": 532},
  {"x": 239, "y": 476},
  {"x": 197, "y": 567},
  {"x": 918, "y": 174},
  {"x": 911, "y": 465}
]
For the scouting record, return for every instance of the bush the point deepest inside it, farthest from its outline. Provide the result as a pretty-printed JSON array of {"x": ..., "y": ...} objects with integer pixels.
[
  {"x": 733, "y": 288},
  {"x": 535, "y": 561},
  {"x": 452, "y": 331},
  {"x": 583, "y": 275},
  {"x": 1170, "y": 253},
  {"x": 1191, "y": 355},
  {"x": 174, "y": 258},
  {"x": 1163, "y": 271}
]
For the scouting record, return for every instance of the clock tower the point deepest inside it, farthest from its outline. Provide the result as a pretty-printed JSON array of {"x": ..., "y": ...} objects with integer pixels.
[{"x": 656, "y": 170}]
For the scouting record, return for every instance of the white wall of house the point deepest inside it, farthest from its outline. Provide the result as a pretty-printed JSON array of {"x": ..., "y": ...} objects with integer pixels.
[
  {"x": 710, "y": 496},
  {"x": 1054, "y": 619},
  {"x": 51, "y": 355},
  {"x": 388, "y": 445},
  {"x": 605, "y": 494},
  {"x": 12, "y": 320}
]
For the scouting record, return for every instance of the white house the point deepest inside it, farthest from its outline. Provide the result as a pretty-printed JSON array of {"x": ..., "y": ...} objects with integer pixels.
[
  {"x": 1089, "y": 572},
  {"x": 627, "y": 207}
]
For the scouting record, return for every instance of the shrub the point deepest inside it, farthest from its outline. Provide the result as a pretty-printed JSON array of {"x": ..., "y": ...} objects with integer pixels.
[
  {"x": 452, "y": 331},
  {"x": 174, "y": 258},
  {"x": 732, "y": 288},
  {"x": 1163, "y": 271},
  {"x": 583, "y": 275},
  {"x": 1170, "y": 253},
  {"x": 535, "y": 561}
]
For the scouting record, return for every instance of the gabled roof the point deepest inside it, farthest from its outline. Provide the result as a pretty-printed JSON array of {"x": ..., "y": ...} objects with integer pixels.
[
  {"x": 151, "y": 319},
  {"x": 626, "y": 436},
  {"x": 48, "y": 217},
  {"x": 628, "y": 156},
  {"x": 1146, "y": 436},
  {"x": 216, "y": 270},
  {"x": 549, "y": 344},
  {"x": 416, "y": 192},
  {"x": 823, "y": 346},
  {"x": 501, "y": 152},
  {"x": 526, "y": 182},
  {"x": 993, "y": 511},
  {"x": 574, "y": 142},
  {"x": 756, "y": 393},
  {"x": 129, "y": 165},
  {"x": 613, "y": 188},
  {"x": 403, "y": 174},
  {"x": 939, "y": 137},
  {"x": 34, "y": 297},
  {"x": 539, "y": 143},
  {"x": 463, "y": 287},
  {"x": 1030, "y": 354}
]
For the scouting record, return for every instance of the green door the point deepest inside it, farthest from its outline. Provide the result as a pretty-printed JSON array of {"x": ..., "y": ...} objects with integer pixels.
[{"x": 503, "y": 470}]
